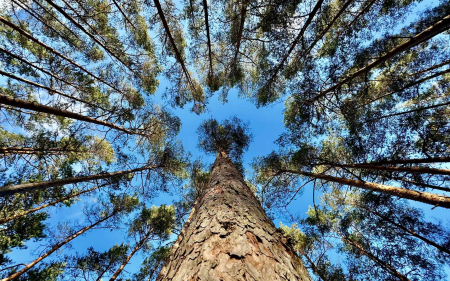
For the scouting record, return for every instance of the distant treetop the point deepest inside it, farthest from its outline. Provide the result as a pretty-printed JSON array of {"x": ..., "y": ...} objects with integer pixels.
[{"x": 231, "y": 136}]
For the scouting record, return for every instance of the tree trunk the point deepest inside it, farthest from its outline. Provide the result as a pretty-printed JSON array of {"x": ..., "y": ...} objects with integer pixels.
[
  {"x": 229, "y": 237},
  {"x": 90, "y": 35},
  {"x": 420, "y": 170},
  {"x": 124, "y": 15},
  {"x": 294, "y": 44},
  {"x": 446, "y": 189},
  {"x": 413, "y": 233},
  {"x": 37, "y": 41},
  {"x": 373, "y": 257},
  {"x": 20, "y": 103},
  {"x": 54, "y": 248},
  {"x": 362, "y": 12},
  {"x": 420, "y": 196},
  {"x": 241, "y": 30},
  {"x": 24, "y": 61},
  {"x": 11, "y": 189},
  {"x": 138, "y": 246},
  {"x": 411, "y": 161},
  {"x": 178, "y": 56},
  {"x": 50, "y": 90},
  {"x": 315, "y": 269},
  {"x": 425, "y": 35},
  {"x": 49, "y": 204},
  {"x": 409, "y": 111},
  {"x": 412, "y": 84},
  {"x": 208, "y": 37},
  {"x": 42, "y": 151},
  {"x": 324, "y": 31}
]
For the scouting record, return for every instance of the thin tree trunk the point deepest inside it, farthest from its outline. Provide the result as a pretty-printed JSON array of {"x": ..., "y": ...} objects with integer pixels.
[
  {"x": 53, "y": 249},
  {"x": 344, "y": 7},
  {"x": 37, "y": 41},
  {"x": 294, "y": 44},
  {"x": 205, "y": 9},
  {"x": 31, "y": 150},
  {"x": 50, "y": 90},
  {"x": 229, "y": 237},
  {"x": 49, "y": 204},
  {"x": 409, "y": 111},
  {"x": 425, "y": 35},
  {"x": 39, "y": 17},
  {"x": 424, "y": 184},
  {"x": 52, "y": 75},
  {"x": 138, "y": 246},
  {"x": 413, "y": 233},
  {"x": 420, "y": 196},
  {"x": 356, "y": 18},
  {"x": 417, "y": 82},
  {"x": 420, "y": 170},
  {"x": 430, "y": 68},
  {"x": 79, "y": 26},
  {"x": 315, "y": 268},
  {"x": 411, "y": 161},
  {"x": 123, "y": 14},
  {"x": 174, "y": 46},
  {"x": 8, "y": 100},
  {"x": 371, "y": 256},
  {"x": 241, "y": 29},
  {"x": 11, "y": 189}
]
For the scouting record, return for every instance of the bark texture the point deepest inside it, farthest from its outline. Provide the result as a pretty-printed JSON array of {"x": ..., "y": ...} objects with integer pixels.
[{"x": 228, "y": 236}]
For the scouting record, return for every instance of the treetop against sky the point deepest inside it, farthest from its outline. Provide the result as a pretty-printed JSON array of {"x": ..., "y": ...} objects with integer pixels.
[{"x": 335, "y": 114}]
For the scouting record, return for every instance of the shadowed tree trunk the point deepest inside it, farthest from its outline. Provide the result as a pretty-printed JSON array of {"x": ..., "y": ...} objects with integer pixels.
[{"x": 229, "y": 237}]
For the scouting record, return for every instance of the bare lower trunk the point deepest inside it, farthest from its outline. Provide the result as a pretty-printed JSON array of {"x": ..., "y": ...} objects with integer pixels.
[{"x": 229, "y": 237}]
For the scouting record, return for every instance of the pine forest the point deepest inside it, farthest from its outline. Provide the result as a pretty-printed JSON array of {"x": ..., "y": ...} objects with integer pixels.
[{"x": 224, "y": 140}]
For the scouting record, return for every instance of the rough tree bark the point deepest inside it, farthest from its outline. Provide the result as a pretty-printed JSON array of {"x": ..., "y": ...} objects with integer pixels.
[{"x": 228, "y": 236}]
